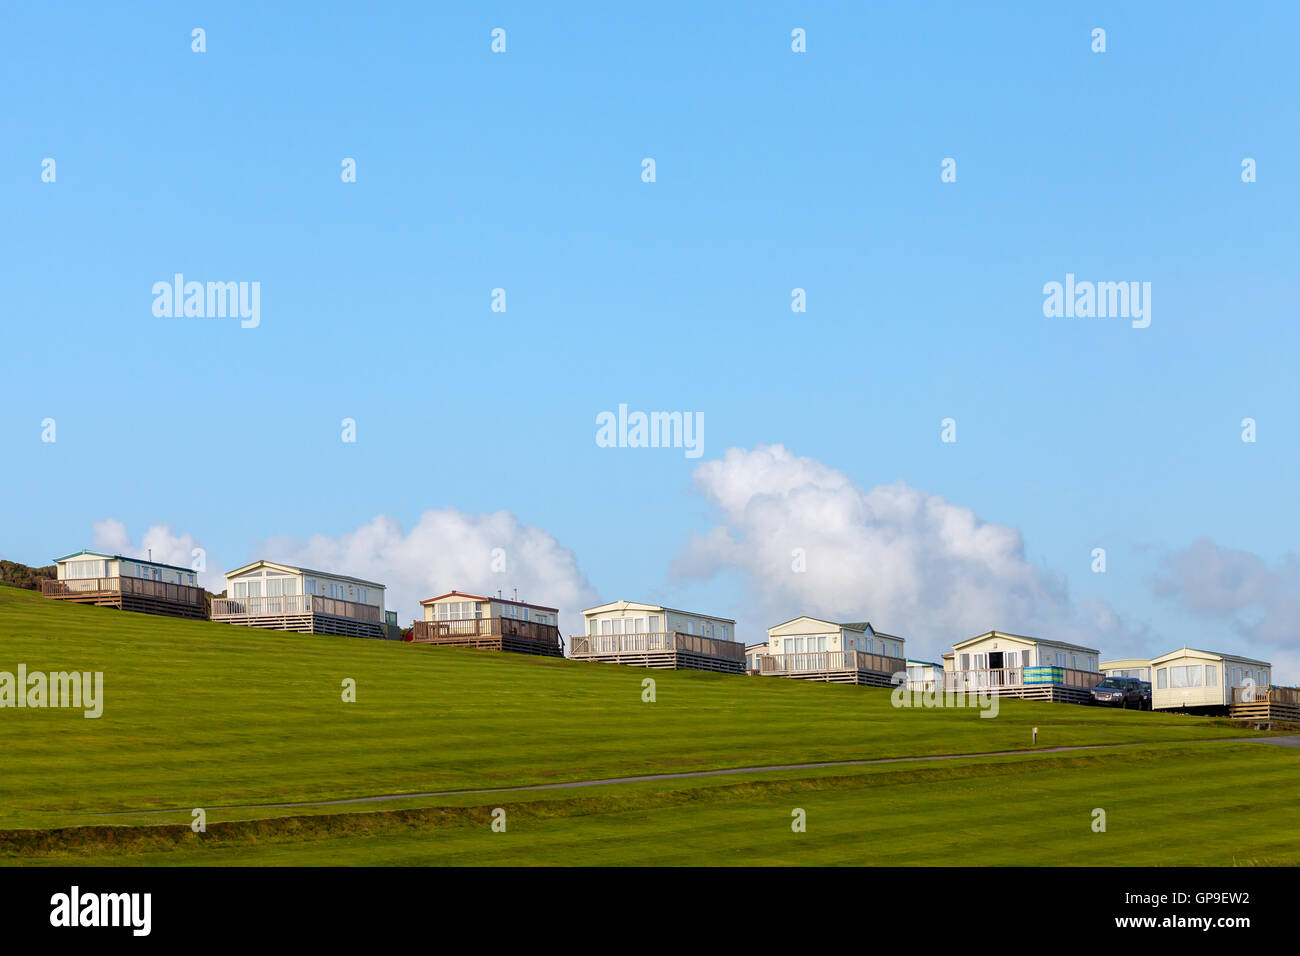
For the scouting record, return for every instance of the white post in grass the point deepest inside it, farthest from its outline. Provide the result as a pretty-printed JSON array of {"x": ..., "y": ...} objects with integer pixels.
[{"x": 1035, "y": 736}]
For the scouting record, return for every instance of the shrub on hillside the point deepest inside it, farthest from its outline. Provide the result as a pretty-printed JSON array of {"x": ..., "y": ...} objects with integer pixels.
[{"x": 22, "y": 576}]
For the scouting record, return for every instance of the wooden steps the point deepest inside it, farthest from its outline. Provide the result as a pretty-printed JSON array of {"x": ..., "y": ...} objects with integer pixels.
[
  {"x": 1265, "y": 711},
  {"x": 1053, "y": 693},
  {"x": 667, "y": 660},
  {"x": 498, "y": 642},
  {"x": 843, "y": 676},
  {"x": 136, "y": 603},
  {"x": 308, "y": 623}
]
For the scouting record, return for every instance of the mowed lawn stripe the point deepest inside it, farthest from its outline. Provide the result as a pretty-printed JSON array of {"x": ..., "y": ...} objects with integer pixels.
[
  {"x": 199, "y": 714},
  {"x": 1182, "y": 807}
]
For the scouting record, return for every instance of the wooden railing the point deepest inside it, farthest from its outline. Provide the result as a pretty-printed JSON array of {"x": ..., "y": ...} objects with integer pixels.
[
  {"x": 808, "y": 661},
  {"x": 983, "y": 678},
  {"x": 429, "y": 631},
  {"x": 995, "y": 677},
  {"x": 228, "y": 608},
  {"x": 1261, "y": 695},
  {"x": 143, "y": 587},
  {"x": 585, "y": 645}
]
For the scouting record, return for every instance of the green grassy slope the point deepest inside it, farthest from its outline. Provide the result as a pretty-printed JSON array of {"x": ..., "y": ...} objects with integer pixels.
[
  {"x": 201, "y": 714},
  {"x": 1220, "y": 804}
]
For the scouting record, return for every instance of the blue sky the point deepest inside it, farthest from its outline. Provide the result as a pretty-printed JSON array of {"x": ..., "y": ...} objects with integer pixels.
[{"x": 775, "y": 170}]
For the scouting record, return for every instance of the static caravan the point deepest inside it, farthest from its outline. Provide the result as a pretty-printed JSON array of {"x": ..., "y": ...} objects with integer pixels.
[
  {"x": 1012, "y": 665},
  {"x": 282, "y": 597},
  {"x": 460, "y": 619},
  {"x": 1211, "y": 682},
  {"x": 651, "y": 635},
  {"x": 924, "y": 675},
  {"x": 811, "y": 648},
  {"x": 129, "y": 584},
  {"x": 1191, "y": 679},
  {"x": 1137, "y": 667}
]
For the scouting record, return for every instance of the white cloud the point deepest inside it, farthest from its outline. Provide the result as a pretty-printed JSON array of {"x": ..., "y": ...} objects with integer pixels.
[
  {"x": 447, "y": 550},
  {"x": 1238, "y": 588},
  {"x": 909, "y": 561},
  {"x": 159, "y": 543}
]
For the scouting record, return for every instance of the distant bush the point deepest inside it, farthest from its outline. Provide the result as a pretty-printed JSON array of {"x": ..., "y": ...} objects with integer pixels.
[{"x": 21, "y": 576}]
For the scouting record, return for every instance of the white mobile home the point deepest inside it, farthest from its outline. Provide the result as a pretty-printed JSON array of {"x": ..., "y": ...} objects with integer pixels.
[
  {"x": 461, "y": 619},
  {"x": 924, "y": 675},
  {"x": 126, "y": 583},
  {"x": 1191, "y": 679},
  {"x": 287, "y": 598},
  {"x": 651, "y": 635},
  {"x": 1209, "y": 681},
  {"x": 811, "y": 648},
  {"x": 1013, "y": 665}
]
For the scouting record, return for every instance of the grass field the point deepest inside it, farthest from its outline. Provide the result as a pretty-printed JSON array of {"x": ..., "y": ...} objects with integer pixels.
[{"x": 208, "y": 715}]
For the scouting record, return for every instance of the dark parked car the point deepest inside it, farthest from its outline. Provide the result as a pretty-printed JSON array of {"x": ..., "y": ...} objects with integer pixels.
[{"x": 1119, "y": 692}]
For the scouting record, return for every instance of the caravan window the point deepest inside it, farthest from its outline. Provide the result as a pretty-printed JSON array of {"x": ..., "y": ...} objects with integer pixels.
[
  {"x": 1186, "y": 676},
  {"x": 457, "y": 610},
  {"x": 1162, "y": 679},
  {"x": 85, "y": 569},
  {"x": 1211, "y": 675}
]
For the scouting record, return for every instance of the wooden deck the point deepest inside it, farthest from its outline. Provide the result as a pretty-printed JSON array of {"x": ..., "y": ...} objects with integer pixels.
[
  {"x": 491, "y": 634},
  {"x": 303, "y": 613},
  {"x": 1265, "y": 704},
  {"x": 661, "y": 650},
  {"x": 1063, "y": 685},
  {"x": 131, "y": 594},
  {"x": 835, "y": 667}
]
